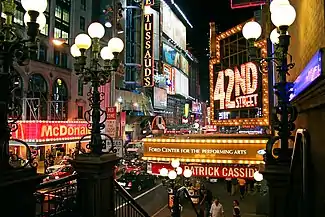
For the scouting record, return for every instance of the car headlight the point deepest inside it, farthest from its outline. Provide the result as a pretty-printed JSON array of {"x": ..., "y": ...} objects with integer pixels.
[{"x": 56, "y": 177}]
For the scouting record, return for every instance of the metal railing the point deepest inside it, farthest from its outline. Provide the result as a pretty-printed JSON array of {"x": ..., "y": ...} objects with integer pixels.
[
  {"x": 126, "y": 206},
  {"x": 300, "y": 169},
  {"x": 58, "y": 198}
]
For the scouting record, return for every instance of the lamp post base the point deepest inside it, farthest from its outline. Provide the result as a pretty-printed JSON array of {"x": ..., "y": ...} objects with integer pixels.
[
  {"x": 278, "y": 181},
  {"x": 17, "y": 188},
  {"x": 96, "y": 184}
]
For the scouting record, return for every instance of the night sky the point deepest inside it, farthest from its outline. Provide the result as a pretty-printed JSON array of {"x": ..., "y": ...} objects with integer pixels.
[{"x": 200, "y": 13}]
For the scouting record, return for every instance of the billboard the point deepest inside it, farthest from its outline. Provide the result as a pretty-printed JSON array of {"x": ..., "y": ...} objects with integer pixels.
[
  {"x": 173, "y": 27},
  {"x": 196, "y": 107},
  {"x": 174, "y": 58},
  {"x": 181, "y": 83},
  {"x": 160, "y": 98},
  {"x": 148, "y": 58},
  {"x": 41, "y": 131},
  {"x": 246, "y": 3},
  {"x": 170, "y": 74},
  {"x": 237, "y": 88},
  {"x": 308, "y": 76}
]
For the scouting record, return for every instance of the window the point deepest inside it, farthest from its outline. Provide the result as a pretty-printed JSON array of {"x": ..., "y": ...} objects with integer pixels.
[
  {"x": 65, "y": 16},
  {"x": 60, "y": 59},
  {"x": 45, "y": 30},
  {"x": 83, "y": 4},
  {"x": 56, "y": 57},
  {"x": 64, "y": 60},
  {"x": 42, "y": 53},
  {"x": 82, "y": 23},
  {"x": 19, "y": 17},
  {"x": 62, "y": 21},
  {"x": 80, "y": 112},
  {"x": 58, "y": 12},
  {"x": 80, "y": 88}
]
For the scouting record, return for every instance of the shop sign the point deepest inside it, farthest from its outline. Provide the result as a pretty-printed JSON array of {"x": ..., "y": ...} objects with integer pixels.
[
  {"x": 311, "y": 73},
  {"x": 237, "y": 88},
  {"x": 204, "y": 150},
  {"x": 38, "y": 131},
  {"x": 210, "y": 170},
  {"x": 148, "y": 58}
]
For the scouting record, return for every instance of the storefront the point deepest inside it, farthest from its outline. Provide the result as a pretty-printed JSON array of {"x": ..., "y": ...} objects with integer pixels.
[
  {"x": 56, "y": 137},
  {"x": 214, "y": 157}
]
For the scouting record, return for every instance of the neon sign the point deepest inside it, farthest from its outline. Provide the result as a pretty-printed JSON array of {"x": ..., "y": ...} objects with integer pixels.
[
  {"x": 148, "y": 60},
  {"x": 237, "y": 88}
]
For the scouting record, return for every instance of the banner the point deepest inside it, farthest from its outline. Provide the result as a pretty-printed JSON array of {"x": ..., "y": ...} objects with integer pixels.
[
  {"x": 40, "y": 131},
  {"x": 210, "y": 170}
]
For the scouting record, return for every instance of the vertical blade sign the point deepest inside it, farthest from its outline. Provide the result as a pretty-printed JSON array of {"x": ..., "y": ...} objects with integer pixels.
[{"x": 148, "y": 59}]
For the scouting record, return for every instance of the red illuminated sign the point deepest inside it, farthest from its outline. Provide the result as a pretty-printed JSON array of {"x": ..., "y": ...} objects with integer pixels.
[
  {"x": 237, "y": 88},
  {"x": 111, "y": 113},
  {"x": 40, "y": 131},
  {"x": 210, "y": 170}
]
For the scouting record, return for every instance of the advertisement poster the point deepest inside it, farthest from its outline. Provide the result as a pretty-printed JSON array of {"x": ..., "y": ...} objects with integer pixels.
[
  {"x": 174, "y": 58},
  {"x": 160, "y": 98},
  {"x": 173, "y": 27}
]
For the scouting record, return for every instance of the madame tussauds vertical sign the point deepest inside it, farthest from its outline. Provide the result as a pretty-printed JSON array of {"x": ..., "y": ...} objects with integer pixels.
[{"x": 148, "y": 59}]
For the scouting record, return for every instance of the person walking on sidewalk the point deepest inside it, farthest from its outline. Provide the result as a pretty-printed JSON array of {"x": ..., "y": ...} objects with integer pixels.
[
  {"x": 242, "y": 188},
  {"x": 228, "y": 184},
  {"x": 236, "y": 209},
  {"x": 216, "y": 209},
  {"x": 234, "y": 185}
]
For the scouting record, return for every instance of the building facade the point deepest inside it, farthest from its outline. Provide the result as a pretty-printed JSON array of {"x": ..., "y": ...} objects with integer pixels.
[
  {"x": 307, "y": 38},
  {"x": 53, "y": 98}
]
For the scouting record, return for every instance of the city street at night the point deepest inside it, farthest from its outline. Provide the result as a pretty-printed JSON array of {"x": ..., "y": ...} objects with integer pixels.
[{"x": 162, "y": 108}]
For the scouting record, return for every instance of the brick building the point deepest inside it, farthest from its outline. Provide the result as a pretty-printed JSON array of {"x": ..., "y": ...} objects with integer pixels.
[{"x": 307, "y": 36}]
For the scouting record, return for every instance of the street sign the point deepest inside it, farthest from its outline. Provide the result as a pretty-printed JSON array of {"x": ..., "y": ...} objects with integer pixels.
[
  {"x": 118, "y": 144},
  {"x": 111, "y": 128},
  {"x": 111, "y": 113}
]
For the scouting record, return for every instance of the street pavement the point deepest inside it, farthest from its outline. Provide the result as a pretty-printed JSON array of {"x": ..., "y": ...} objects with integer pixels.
[{"x": 247, "y": 205}]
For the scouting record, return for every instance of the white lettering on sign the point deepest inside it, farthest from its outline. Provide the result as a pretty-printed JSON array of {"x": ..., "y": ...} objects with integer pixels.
[
  {"x": 241, "y": 87},
  {"x": 219, "y": 172},
  {"x": 198, "y": 151}
]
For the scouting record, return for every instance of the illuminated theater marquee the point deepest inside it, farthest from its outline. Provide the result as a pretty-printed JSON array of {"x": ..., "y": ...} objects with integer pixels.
[
  {"x": 239, "y": 94},
  {"x": 238, "y": 87}
]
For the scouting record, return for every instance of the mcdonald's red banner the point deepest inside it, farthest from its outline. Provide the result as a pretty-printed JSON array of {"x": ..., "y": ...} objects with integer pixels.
[{"x": 40, "y": 131}]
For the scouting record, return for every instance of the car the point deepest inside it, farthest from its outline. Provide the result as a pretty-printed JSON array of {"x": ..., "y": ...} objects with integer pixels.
[
  {"x": 64, "y": 171},
  {"x": 55, "y": 168},
  {"x": 137, "y": 181}
]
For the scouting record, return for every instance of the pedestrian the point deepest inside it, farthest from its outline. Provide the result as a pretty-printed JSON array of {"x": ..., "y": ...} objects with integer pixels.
[
  {"x": 228, "y": 184},
  {"x": 236, "y": 209},
  {"x": 234, "y": 184},
  {"x": 242, "y": 188},
  {"x": 216, "y": 209}
]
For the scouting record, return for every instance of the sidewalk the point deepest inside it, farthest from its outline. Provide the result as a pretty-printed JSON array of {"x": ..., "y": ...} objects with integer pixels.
[{"x": 247, "y": 206}]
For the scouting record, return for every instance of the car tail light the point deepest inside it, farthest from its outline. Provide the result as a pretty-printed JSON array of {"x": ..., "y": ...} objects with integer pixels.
[{"x": 130, "y": 184}]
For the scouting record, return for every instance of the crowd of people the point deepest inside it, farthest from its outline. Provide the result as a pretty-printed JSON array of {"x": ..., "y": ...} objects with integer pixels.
[{"x": 211, "y": 206}]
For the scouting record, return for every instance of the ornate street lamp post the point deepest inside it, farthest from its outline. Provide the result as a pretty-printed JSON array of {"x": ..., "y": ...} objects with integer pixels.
[
  {"x": 97, "y": 75},
  {"x": 277, "y": 168},
  {"x": 95, "y": 168},
  {"x": 18, "y": 177}
]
